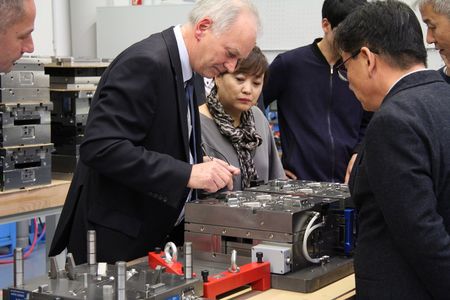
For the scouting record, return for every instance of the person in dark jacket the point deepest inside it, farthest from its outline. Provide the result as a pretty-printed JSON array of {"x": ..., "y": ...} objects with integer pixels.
[
  {"x": 321, "y": 122},
  {"x": 400, "y": 182},
  {"x": 140, "y": 160}
]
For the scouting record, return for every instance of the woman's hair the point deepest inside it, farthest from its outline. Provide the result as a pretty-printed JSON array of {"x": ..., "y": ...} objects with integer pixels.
[{"x": 254, "y": 64}]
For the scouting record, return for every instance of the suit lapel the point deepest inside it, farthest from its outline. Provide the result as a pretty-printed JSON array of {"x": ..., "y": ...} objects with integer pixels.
[{"x": 172, "y": 48}]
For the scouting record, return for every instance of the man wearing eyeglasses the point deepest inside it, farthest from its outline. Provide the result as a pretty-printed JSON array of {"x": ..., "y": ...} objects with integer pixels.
[
  {"x": 400, "y": 182},
  {"x": 321, "y": 122}
]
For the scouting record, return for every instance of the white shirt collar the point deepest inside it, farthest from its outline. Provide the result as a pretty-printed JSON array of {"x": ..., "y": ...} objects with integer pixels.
[
  {"x": 409, "y": 73},
  {"x": 184, "y": 56}
]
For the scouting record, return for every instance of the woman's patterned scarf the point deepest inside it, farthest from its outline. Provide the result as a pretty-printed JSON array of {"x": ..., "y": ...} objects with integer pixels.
[{"x": 244, "y": 138}]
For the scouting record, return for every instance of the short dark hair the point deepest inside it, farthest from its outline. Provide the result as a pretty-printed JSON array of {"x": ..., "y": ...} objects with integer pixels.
[
  {"x": 335, "y": 11},
  {"x": 254, "y": 64},
  {"x": 389, "y": 28},
  {"x": 10, "y": 12}
]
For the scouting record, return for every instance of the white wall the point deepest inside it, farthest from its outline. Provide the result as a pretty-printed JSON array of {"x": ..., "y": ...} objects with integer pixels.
[
  {"x": 69, "y": 27},
  {"x": 43, "y": 28}
]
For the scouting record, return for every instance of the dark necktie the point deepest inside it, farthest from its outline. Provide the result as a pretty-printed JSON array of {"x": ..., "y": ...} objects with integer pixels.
[{"x": 189, "y": 94}]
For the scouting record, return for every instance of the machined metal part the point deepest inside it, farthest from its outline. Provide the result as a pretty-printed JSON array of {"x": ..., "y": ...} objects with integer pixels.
[
  {"x": 188, "y": 269},
  {"x": 29, "y": 95},
  {"x": 70, "y": 267},
  {"x": 24, "y": 166},
  {"x": 233, "y": 267},
  {"x": 24, "y": 79},
  {"x": 306, "y": 188},
  {"x": 146, "y": 283},
  {"x": 170, "y": 252},
  {"x": 278, "y": 254},
  {"x": 18, "y": 267},
  {"x": 91, "y": 248},
  {"x": 53, "y": 268},
  {"x": 282, "y": 218},
  {"x": 121, "y": 280}
]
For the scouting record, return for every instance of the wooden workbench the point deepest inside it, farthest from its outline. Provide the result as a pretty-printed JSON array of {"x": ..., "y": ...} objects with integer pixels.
[
  {"x": 339, "y": 290},
  {"x": 21, "y": 204}
]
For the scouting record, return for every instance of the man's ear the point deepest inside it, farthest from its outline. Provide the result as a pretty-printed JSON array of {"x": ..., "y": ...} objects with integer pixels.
[
  {"x": 202, "y": 26},
  {"x": 370, "y": 58},
  {"x": 326, "y": 25}
]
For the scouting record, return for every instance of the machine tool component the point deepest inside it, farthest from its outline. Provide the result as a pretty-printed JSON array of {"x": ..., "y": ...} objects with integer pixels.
[
  {"x": 83, "y": 282},
  {"x": 145, "y": 283},
  {"x": 349, "y": 219},
  {"x": 205, "y": 274},
  {"x": 107, "y": 292},
  {"x": 91, "y": 248},
  {"x": 131, "y": 273},
  {"x": 233, "y": 267},
  {"x": 171, "y": 252},
  {"x": 25, "y": 124},
  {"x": 121, "y": 280},
  {"x": 73, "y": 83},
  {"x": 53, "y": 268},
  {"x": 309, "y": 229},
  {"x": 70, "y": 267},
  {"x": 306, "y": 221},
  {"x": 30, "y": 95},
  {"x": 324, "y": 190},
  {"x": 278, "y": 254},
  {"x": 43, "y": 288},
  {"x": 159, "y": 271},
  {"x": 255, "y": 274},
  {"x": 18, "y": 267},
  {"x": 188, "y": 270},
  {"x": 24, "y": 166},
  {"x": 102, "y": 267},
  {"x": 259, "y": 257},
  {"x": 159, "y": 259}
]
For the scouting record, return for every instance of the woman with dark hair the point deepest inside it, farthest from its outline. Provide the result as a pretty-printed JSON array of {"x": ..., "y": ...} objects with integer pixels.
[{"x": 234, "y": 129}]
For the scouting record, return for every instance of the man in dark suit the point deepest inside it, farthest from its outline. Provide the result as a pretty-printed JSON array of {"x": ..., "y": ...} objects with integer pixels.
[
  {"x": 401, "y": 180},
  {"x": 140, "y": 160}
]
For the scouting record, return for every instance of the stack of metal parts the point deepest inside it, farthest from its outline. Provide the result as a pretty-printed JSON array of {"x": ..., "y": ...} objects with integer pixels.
[
  {"x": 25, "y": 108},
  {"x": 304, "y": 229},
  {"x": 95, "y": 280},
  {"x": 72, "y": 85}
]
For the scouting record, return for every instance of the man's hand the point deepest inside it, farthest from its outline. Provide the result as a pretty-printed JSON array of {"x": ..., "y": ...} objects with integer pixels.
[
  {"x": 213, "y": 175},
  {"x": 350, "y": 167}
]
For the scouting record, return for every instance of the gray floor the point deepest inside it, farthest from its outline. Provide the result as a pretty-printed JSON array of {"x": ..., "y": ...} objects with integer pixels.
[{"x": 35, "y": 266}]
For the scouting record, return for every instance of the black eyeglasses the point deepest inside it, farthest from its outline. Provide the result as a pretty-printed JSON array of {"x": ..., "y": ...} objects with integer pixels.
[{"x": 342, "y": 69}]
